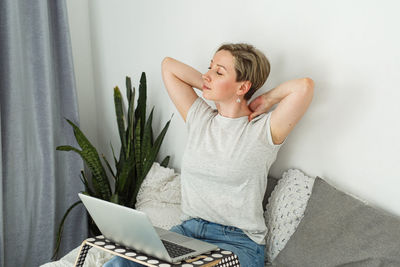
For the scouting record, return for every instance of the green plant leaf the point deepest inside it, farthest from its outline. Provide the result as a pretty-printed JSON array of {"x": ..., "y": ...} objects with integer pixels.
[
  {"x": 165, "y": 162},
  {"x": 151, "y": 135},
  {"x": 127, "y": 167},
  {"x": 86, "y": 183},
  {"x": 114, "y": 199},
  {"x": 117, "y": 166},
  {"x": 109, "y": 166},
  {"x": 131, "y": 124},
  {"x": 61, "y": 227},
  {"x": 68, "y": 148},
  {"x": 131, "y": 184},
  {"x": 115, "y": 158},
  {"x": 155, "y": 149},
  {"x": 138, "y": 149},
  {"x": 146, "y": 142},
  {"x": 152, "y": 156},
  {"x": 91, "y": 157},
  {"x": 141, "y": 106},
  {"x": 119, "y": 112},
  {"x": 128, "y": 84},
  {"x": 121, "y": 159}
]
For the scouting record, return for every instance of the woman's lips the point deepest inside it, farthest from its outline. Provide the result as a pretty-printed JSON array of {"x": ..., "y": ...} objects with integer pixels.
[{"x": 206, "y": 88}]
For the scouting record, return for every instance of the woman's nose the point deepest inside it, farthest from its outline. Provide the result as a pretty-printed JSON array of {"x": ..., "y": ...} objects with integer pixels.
[{"x": 205, "y": 77}]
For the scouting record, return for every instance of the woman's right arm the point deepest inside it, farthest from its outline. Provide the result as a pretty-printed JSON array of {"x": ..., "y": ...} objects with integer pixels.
[{"x": 179, "y": 79}]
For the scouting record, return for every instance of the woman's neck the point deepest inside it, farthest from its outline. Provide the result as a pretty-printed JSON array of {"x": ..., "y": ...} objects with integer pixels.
[{"x": 233, "y": 110}]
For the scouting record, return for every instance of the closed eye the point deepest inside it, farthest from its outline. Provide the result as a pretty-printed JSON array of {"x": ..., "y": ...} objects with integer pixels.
[{"x": 217, "y": 71}]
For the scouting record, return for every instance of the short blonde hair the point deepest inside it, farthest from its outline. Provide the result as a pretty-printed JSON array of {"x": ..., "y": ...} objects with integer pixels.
[{"x": 250, "y": 65}]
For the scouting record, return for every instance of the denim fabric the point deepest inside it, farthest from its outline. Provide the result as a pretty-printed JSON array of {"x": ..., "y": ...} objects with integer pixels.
[{"x": 230, "y": 238}]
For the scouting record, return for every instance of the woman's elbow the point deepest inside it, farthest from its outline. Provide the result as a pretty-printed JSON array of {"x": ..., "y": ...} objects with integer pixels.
[
  {"x": 165, "y": 62},
  {"x": 308, "y": 84}
]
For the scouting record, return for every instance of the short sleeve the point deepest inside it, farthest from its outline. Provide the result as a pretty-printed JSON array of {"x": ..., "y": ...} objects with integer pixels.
[{"x": 199, "y": 113}]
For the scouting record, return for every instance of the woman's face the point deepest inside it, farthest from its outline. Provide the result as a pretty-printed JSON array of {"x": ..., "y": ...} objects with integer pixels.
[{"x": 220, "y": 80}]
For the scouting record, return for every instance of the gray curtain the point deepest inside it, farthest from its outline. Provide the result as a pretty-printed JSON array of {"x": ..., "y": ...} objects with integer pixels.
[{"x": 37, "y": 90}]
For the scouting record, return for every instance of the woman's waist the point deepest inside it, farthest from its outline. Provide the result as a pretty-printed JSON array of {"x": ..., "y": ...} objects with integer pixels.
[{"x": 248, "y": 217}]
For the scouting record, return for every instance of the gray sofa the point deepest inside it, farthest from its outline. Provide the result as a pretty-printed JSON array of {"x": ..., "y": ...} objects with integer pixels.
[
  {"x": 340, "y": 230},
  {"x": 336, "y": 230}
]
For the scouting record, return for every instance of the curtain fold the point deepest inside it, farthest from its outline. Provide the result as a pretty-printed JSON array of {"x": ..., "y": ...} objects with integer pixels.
[
  {"x": 1, "y": 203},
  {"x": 37, "y": 91}
]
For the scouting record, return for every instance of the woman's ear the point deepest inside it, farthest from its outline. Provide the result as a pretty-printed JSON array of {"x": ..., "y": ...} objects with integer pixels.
[{"x": 244, "y": 88}]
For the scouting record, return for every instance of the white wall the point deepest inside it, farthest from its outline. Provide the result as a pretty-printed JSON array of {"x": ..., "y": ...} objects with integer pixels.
[
  {"x": 349, "y": 48},
  {"x": 78, "y": 12}
]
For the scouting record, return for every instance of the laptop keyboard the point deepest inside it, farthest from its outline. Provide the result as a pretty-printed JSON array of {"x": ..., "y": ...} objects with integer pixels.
[{"x": 175, "y": 250}]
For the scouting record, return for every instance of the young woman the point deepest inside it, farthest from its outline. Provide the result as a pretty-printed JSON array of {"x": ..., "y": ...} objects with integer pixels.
[{"x": 230, "y": 149}]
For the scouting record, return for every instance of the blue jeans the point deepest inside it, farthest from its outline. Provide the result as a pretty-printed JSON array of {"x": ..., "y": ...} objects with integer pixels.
[{"x": 230, "y": 238}]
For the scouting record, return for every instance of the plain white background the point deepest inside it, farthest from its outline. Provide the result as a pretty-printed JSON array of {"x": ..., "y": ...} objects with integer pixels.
[{"x": 349, "y": 48}]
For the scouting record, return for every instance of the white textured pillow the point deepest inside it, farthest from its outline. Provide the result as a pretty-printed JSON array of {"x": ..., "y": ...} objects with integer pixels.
[
  {"x": 160, "y": 196},
  {"x": 285, "y": 209}
]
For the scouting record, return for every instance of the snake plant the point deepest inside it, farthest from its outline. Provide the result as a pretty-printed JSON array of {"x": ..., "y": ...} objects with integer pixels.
[{"x": 137, "y": 155}]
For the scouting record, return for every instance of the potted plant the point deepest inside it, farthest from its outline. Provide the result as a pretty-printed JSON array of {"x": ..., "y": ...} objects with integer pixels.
[{"x": 137, "y": 155}]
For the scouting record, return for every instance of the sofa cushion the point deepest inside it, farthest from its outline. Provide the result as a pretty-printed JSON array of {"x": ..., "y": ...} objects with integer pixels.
[
  {"x": 339, "y": 230},
  {"x": 160, "y": 197},
  {"x": 285, "y": 209}
]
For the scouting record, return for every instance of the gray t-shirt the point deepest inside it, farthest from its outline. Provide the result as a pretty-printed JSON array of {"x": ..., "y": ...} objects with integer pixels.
[{"x": 225, "y": 168}]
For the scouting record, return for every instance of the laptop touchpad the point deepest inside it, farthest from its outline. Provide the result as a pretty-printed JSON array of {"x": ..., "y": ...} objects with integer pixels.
[{"x": 176, "y": 238}]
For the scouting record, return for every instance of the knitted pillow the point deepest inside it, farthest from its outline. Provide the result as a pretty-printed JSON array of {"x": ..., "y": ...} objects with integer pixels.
[
  {"x": 285, "y": 209},
  {"x": 160, "y": 197}
]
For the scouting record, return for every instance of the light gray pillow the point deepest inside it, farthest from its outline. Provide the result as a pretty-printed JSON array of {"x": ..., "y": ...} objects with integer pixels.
[
  {"x": 339, "y": 230},
  {"x": 285, "y": 209}
]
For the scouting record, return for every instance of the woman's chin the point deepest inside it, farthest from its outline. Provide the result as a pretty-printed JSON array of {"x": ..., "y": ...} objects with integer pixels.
[{"x": 206, "y": 95}]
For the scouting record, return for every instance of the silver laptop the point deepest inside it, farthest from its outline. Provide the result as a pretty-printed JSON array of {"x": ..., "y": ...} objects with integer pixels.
[{"x": 133, "y": 229}]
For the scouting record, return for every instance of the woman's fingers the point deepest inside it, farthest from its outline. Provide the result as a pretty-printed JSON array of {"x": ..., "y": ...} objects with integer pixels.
[
  {"x": 258, "y": 106},
  {"x": 256, "y": 103},
  {"x": 257, "y": 112}
]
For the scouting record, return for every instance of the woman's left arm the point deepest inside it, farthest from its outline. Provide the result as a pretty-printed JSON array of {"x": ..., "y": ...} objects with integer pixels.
[{"x": 294, "y": 97}]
